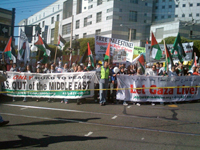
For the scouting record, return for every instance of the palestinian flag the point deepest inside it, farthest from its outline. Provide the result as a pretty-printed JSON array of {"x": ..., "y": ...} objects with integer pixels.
[
  {"x": 168, "y": 57},
  {"x": 41, "y": 46},
  {"x": 61, "y": 42},
  {"x": 107, "y": 54},
  {"x": 8, "y": 51},
  {"x": 90, "y": 55},
  {"x": 141, "y": 63},
  {"x": 194, "y": 62},
  {"x": 179, "y": 48},
  {"x": 156, "y": 51}
]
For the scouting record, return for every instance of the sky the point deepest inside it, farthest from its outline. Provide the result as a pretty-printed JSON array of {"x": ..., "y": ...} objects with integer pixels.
[{"x": 24, "y": 9}]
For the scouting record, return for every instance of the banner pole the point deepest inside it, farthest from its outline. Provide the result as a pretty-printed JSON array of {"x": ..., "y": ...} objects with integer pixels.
[{"x": 55, "y": 55}]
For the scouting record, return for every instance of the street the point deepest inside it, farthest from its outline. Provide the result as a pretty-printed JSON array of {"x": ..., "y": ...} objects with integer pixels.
[{"x": 43, "y": 125}]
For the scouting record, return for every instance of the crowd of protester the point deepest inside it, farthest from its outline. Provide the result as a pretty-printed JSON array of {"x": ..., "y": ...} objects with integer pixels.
[{"x": 148, "y": 70}]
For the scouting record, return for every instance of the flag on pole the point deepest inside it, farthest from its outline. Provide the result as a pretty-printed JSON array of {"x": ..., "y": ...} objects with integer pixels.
[
  {"x": 168, "y": 57},
  {"x": 141, "y": 62},
  {"x": 179, "y": 48},
  {"x": 23, "y": 47},
  {"x": 194, "y": 62},
  {"x": 107, "y": 54},
  {"x": 61, "y": 42},
  {"x": 90, "y": 55},
  {"x": 156, "y": 51},
  {"x": 41, "y": 46},
  {"x": 8, "y": 51}
]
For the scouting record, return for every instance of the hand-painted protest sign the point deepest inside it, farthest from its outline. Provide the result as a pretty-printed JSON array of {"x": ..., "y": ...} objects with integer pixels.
[
  {"x": 188, "y": 48},
  {"x": 117, "y": 46},
  {"x": 158, "y": 89},
  {"x": 138, "y": 50},
  {"x": 55, "y": 85}
]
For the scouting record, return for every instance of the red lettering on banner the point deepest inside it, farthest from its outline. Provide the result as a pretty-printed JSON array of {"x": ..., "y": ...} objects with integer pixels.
[
  {"x": 20, "y": 77},
  {"x": 178, "y": 92},
  {"x": 153, "y": 91},
  {"x": 191, "y": 90},
  {"x": 138, "y": 91},
  {"x": 30, "y": 77}
]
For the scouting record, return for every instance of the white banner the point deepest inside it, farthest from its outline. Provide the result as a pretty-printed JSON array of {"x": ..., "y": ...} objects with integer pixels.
[
  {"x": 123, "y": 49},
  {"x": 161, "y": 92},
  {"x": 188, "y": 48},
  {"x": 53, "y": 85}
]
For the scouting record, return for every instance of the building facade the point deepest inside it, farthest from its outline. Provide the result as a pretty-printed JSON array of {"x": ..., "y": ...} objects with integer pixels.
[{"x": 87, "y": 18}]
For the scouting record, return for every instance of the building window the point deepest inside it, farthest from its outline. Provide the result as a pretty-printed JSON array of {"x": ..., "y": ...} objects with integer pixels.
[
  {"x": 197, "y": 14},
  {"x": 52, "y": 20},
  {"x": 120, "y": 10},
  {"x": 170, "y": 6},
  {"x": 58, "y": 7},
  {"x": 176, "y": 6},
  {"x": 134, "y": 1},
  {"x": 156, "y": 1},
  {"x": 58, "y": 18},
  {"x": 120, "y": 17},
  {"x": 156, "y": 17},
  {"x": 89, "y": 23},
  {"x": 43, "y": 23},
  {"x": 146, "y": 4},
  {"x": 183, "y": 15},
  {"x": 84, "y": 35},
  {"x": 89, "y": 1},
  {"x": 156, "y": 7},
  {"x": 77, "y": 24},
  {"x": 145, "y": 14},
  {"x": 133, "y": 34},
  {"x": 176, "y": 16},
  {"x": 111, "y": 9},
  {"x": 109, "y": 17},
  {"x": 145, "y": 21},
  {"x": 163, "y": 7},
  {"x": 98, "y": 18},
  {"x": 90, "y": 16},
  {"x": 40, "y": 16},
  {"x": 191, "y": 4},
  {"x": 66, "y": 29},
  {"x": 85, "y": 22},
  {"x": 190, "y": 15},
  {"x": 99, "y": 2},
  {"x": 169, "y": 16},
  {"x": 184, "y": 5},
  {"x": 43, "y": 14},
  {"x": 84, "y": 7},
  {"x": 91, "y": 6},
  {"x": 77, "y": 36},
  {"x": 162, "y": 17},
  {"x": 163, "y": 0},
  {"x": 198, "y": 4},
  {"x": 36, "y": 18},
  {"x": 98, "y": 32},
  {"x": 133, "y": 16},
  {"x": 52, "y": 33},
  {"x": 53, "y": 9}
]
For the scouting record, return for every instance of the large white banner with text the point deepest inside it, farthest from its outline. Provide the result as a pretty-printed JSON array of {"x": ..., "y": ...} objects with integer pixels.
[
  {"x": 53, "y": 85},
  {"x": 158, "y": 89}
]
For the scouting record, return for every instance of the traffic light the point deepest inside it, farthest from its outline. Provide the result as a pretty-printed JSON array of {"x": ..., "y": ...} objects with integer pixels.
[
  {"x": 38, "y": 29},
  {"x": 29, "y": 32}
]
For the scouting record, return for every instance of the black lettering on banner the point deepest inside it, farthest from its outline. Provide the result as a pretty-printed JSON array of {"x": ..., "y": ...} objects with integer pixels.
[{"x": 70, "y": 85}]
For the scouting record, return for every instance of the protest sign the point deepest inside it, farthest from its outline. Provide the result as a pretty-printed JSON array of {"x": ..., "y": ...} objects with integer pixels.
[
  {"x": 138, "y": 50},
  {"x": 117, "y": 48},
  {"x": 164, "y": 89},
  {"x": 50, "y": 85},
  {"x": 188, "y": 48}
]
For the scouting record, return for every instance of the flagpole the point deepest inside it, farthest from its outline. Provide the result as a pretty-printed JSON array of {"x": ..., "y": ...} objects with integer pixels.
[
  {"x": 166, "y": 55},
  {"x": 55, "y": 55}
]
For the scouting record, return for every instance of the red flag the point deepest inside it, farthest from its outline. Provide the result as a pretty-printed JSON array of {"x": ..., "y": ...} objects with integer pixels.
[
  {"x": 107, "y": 55},
  {"x": 195, "y": 60}
]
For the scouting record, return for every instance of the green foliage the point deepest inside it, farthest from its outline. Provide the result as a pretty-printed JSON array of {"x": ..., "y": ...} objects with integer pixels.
[{"x": 80, "y": 44}]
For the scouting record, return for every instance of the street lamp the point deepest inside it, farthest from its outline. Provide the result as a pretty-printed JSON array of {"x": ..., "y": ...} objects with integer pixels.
[{"x": 121, "y": 25}]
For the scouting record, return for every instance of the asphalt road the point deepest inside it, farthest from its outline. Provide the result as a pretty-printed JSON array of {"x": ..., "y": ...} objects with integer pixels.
[{"x": 42, "y": 125}]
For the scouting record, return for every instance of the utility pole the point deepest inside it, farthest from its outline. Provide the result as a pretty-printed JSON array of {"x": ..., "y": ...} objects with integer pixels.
[{"x": 13, "y": 23}]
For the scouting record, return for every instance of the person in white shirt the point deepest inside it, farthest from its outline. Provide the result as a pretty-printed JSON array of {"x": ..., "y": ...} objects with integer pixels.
[
  {"x": 152, "y": 72},
  {"x": 172, "y": 72}
]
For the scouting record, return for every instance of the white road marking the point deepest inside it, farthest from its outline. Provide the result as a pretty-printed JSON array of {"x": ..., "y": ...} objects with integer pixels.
[
  {"x": 90, "y": 133},
  {"x": 129, "y": 107},
  {"x": 114, "y": 117},
  {"x": 106, "y": 125},
  {"x": 24, "y": 108}
]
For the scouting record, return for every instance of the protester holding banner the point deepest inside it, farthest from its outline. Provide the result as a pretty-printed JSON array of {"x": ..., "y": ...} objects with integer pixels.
[
  {"x": 172, "y": 72},
  {"x": 46, "y": 68},
  {"x": 152, "y": 72}
]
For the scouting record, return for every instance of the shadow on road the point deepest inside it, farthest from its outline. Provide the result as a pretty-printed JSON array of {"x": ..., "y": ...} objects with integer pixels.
[
  {"x": 43, "y": 142},
  {"x": 56, "y": 121}
]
